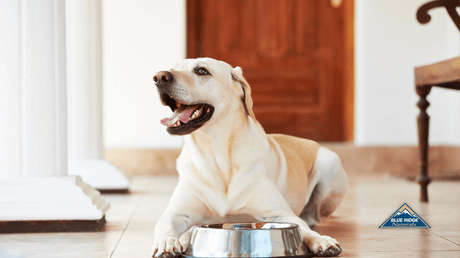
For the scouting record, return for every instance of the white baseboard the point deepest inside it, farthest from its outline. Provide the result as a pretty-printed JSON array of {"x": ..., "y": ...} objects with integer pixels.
[
  {"x": 101, "y": 174},
  {"x": 50, "y": 198}
]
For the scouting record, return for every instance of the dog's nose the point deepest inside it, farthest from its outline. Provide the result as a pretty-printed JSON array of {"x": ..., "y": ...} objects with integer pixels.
[{"x": 162, "y": 78}]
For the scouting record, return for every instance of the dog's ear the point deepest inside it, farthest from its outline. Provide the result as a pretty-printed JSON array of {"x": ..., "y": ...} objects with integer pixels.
[{"x": 237, "y": 76}]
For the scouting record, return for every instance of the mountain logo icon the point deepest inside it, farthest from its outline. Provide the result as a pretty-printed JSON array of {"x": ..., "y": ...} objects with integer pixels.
[{"x": 404, "y": 217}]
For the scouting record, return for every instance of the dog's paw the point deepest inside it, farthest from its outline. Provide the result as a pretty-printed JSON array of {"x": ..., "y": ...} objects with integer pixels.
[
  {"x": 167, "y": 247},
  {"x": 323, "y": 246}
]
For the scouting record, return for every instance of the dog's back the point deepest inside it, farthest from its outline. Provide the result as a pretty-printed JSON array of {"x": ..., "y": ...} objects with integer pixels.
[{"x": 300, "y": 157}]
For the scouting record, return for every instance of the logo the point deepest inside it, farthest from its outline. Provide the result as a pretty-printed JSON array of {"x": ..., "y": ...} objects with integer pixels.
[{"x": 404, "y": 217}]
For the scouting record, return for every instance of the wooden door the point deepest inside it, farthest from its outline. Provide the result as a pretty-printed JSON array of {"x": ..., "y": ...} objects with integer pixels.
[{"x": 295, "y": 54}]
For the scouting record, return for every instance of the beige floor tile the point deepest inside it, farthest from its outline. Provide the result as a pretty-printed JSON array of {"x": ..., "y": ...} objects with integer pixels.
[
  {"x": 132, "y": 249},
  {"x": 73, "y": 237},
  {"x": 95, "y": 249},
  {"x": 122, "y": 207},
  {"x": 355, "y": 238},
  {"x": 371, "y": 199},
  {"x": 157, "y": 185},
  {"x": 396, "y": 244},
  {"x": 454, "y": 239},
  {"x": 447, "y": 233}
]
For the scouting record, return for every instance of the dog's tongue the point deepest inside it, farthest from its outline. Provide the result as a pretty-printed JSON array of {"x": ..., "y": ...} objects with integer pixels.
[{"x": 182, "y": 113}]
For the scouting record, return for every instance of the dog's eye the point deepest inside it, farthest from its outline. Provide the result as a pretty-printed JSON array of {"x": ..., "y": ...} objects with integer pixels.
[{"x": 202, "y": 71}]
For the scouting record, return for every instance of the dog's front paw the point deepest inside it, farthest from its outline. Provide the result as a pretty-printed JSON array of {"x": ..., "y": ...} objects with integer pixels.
[
  {"x": 166, "y": 247},
  {"x": 323, "y": 245}
]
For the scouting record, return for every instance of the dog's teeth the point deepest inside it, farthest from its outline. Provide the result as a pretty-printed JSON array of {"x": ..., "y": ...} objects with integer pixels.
[
  {"x": 196, "y": 114},
  {"x": 176, "y": 124}
]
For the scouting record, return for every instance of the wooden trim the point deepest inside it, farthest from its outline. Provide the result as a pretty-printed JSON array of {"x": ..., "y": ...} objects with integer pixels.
[
  {"x": 144, "y": 161},
  {"x": 52, "y": 226},
  {"x": 349, "y": 71},
  {"x": 400, "y": 161},
  {"x": 114, "y": 191},
  {"x": 193, "y": 12}
]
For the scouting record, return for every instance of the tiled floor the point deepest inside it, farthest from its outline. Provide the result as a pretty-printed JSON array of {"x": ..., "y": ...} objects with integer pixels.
[{"x": 369, "y": 202}]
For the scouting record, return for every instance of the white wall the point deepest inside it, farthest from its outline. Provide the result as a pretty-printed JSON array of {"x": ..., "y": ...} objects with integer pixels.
[
  {"x": 140, "y": 37},
  {"x": 389, "y": 43}
]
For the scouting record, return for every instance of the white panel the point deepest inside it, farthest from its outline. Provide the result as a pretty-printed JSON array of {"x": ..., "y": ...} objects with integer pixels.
[
  {"x": 34, "y": 115},
  {"x": 84, "y": 69},
  {"x": 10, "y": 95},
  {"x": 84, "y": 81},
  {"x": 140, "y": 37},
  {"x": 43, "y": 75}
]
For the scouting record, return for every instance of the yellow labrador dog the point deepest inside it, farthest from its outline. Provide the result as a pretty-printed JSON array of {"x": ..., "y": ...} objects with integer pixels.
[{"x": 231, "y": 170}]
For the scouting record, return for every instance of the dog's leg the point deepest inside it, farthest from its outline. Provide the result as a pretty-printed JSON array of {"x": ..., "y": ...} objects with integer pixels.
[
  {"x": 276, "y": 209},
  {"x": 183, "y": 211},
  {"x": 329, "y": 184},
  {"x": 185, "y": 238},
  {"x": 318, "y": 244}
]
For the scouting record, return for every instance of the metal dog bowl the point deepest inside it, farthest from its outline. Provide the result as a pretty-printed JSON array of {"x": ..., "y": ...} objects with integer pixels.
[{"x": 247, "y": 240}]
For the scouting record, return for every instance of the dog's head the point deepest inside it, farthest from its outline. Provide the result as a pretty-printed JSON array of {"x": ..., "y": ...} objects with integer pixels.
[{"x": 200, "y": 91}]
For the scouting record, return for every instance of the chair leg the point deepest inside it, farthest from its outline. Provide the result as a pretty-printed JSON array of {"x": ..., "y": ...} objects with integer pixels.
[{"x": 423, "y": 121}]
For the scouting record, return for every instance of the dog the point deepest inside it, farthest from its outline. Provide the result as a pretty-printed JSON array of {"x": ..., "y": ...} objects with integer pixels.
[{"x": 231, "y": 170}]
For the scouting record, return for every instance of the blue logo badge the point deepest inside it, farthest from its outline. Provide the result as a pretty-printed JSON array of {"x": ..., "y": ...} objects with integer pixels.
[{"x": 404, "y": 217}]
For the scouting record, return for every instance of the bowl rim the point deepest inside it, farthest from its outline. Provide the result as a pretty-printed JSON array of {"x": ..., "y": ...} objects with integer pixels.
[{"x": 209, "y": 226}]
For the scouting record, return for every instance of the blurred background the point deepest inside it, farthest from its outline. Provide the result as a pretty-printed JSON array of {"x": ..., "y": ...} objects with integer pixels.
[
  {"x": 283, "y": 46},
  {"x": 340, "y": 71}
]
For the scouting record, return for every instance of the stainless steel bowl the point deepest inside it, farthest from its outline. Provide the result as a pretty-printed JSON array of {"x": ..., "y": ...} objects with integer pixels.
[{"x": 247, "y": 240}]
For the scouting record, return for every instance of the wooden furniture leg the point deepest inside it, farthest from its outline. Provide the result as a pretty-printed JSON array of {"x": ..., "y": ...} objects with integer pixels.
[{"x": 423, "y": 121}]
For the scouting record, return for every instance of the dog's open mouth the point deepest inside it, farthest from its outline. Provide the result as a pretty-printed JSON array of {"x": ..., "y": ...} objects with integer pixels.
[{"x": 186, "y": 117}]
